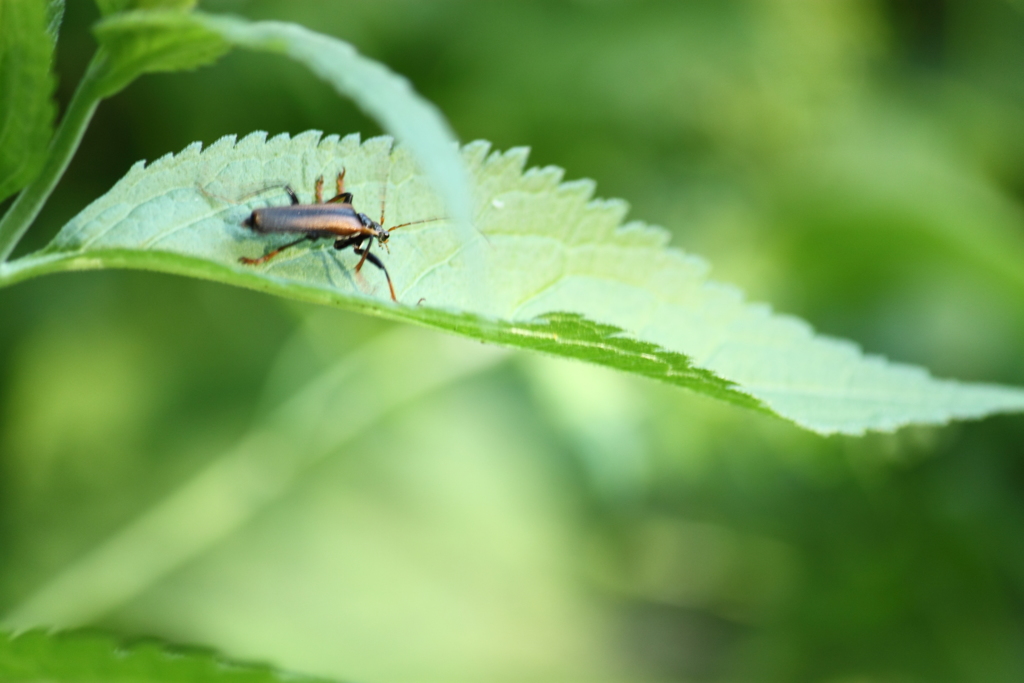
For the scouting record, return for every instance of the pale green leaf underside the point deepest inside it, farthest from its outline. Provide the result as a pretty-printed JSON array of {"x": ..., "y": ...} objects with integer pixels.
[
  {"x": 36, "y": 657},
  {"x": 550, "y": 268}
]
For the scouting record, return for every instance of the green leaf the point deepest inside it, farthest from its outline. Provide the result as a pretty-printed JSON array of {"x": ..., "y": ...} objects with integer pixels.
[
  {"x": 151, "y": 41},
  {"x": 549, "y": 269},
  {"x": 26, "y": 86},
  {"x": 37, "y": 657}
]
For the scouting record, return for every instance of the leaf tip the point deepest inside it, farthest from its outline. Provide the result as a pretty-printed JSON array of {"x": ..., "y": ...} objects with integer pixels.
[
  {"x": 223, "y": 143},
  {"x": 513, "y": 159},
  {"x": 474, "y": 154},
  {"x": 543, "y": 178},
  {"x": 581, "y": 189},
  {"x": 252, "y": 141}
]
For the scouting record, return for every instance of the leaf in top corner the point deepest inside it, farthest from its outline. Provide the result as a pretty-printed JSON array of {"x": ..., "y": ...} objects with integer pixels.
[
  {"x": 549, "y": 269},
  {"x": 26, "y": 88},
  {"x": 140, "y": 42}
]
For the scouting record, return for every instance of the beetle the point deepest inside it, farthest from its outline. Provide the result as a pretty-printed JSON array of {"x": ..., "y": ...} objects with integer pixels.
[{"x": 334, "y": 219}]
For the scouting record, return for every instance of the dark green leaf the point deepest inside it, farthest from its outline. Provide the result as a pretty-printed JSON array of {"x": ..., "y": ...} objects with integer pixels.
[{"x": 26, "y": 86}]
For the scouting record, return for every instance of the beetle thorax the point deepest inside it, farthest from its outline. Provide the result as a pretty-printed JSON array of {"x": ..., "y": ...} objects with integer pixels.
[{"x": 379, "y": 232}]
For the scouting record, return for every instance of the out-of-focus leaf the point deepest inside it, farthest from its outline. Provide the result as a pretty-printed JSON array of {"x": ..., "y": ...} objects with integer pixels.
[
  {"x": 26, "y": 86},
  {"x": 545, "y": 249},
  {"x": 37, "y": 657},
  {"x": 259, "y": 469}
]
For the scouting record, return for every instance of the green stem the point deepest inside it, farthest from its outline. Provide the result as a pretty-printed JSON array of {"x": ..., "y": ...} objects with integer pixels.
[{"x": 62, "y": 148}]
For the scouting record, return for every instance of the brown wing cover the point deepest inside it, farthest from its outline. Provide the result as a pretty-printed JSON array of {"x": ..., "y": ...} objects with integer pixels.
[{"x": 332, "y": 219}]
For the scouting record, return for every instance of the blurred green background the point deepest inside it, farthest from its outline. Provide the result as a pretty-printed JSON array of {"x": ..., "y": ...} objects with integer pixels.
[{"x": 859, "y": 164}]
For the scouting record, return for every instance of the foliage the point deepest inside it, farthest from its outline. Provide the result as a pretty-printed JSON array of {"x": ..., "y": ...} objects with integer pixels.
[
  {"x": 856, "y": 163},
  {"x": 26, "y": 86},
  {"x": 37, "y": 656}
]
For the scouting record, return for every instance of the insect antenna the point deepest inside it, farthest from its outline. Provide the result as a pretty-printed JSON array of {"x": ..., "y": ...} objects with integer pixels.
[
  {"x": 425, "y": 220},
  {"x": 387, "y": 179}
]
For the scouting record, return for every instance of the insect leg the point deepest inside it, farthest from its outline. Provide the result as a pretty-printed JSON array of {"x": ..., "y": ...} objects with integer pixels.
[
  {"x": 367, "y": 256},
  {"x": 291, "y": 193},
  {"x": 355, "y": 241},
  {"x": 342, "y": 197},
  {"x": 319, "y": 190},
  {"x": 266, "y": 257},
  {"x": 346, "y": 242}
]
